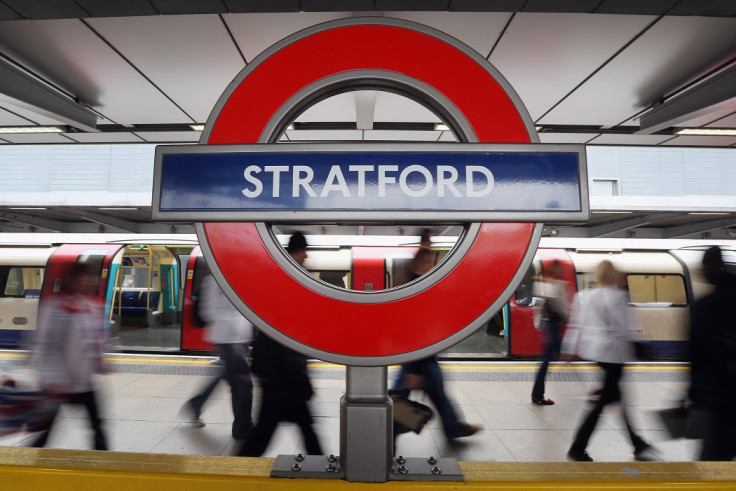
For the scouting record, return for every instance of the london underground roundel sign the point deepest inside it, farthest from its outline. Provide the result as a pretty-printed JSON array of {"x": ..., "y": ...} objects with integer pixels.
[{"x": 497, "y": 182}]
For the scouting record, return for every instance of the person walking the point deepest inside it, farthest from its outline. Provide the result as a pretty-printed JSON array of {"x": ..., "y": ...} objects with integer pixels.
[
  {"x": 609, "y": 335},
  {"x": 713, "y": 360},
  {"x": 425, "y": 374},
  {"x": 231, "y": 333},
  {"x": 67, "y": 349},
  {"x": 285, "y": 385},
  {"x": 549, "y": 319}
]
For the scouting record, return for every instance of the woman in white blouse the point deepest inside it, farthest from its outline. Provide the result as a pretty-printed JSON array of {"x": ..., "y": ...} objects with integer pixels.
[{"x": 607, "y": 333}]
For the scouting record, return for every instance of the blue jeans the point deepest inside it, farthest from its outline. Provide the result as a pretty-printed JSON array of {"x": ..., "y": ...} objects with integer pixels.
[
  {"x": 433, "y": 386},
  {"x": 551, "y": 349},
  {"x": 237, "y": 374}
]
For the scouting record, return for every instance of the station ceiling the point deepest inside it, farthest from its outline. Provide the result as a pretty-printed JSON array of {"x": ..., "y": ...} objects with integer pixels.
[{"x": 598, "y": 72}]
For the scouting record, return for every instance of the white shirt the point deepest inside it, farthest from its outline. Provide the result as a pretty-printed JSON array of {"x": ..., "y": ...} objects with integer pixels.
[
  {"x": 68, "y": 343},
  {"x": 605, "y": 327},
  {"x": 225, "y": 323}
]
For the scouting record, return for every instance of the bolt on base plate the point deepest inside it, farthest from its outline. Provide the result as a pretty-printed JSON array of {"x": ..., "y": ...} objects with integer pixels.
[{"x": 403, "y": 468}]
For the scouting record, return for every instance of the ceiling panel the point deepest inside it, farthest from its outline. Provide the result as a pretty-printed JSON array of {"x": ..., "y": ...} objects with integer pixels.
[
  {"x": 396, "y": 135},
  {"x": 396, "y": 108},
  {"x": 70, "y": 54},
  {"x": 324, "y": 135},
  {"x": 46, "y": 9},
  {"x": 615, "y": 139},
  {"x": 32, "y": 116},
  {"x": 9, "y": 119},
  {"x": 566, "y": 137},
  {"x": 702, "y": 141},
  {"x": 543, "y": 56},
  {"x": 33, "y": 138},
  {"x": 169, "y": 136},
  {"x": 256, "y": 32},
  {"x": 333, "y": 109},
  {"x": 6, "y": 13},
  {"x": 710, "y": 119},
  {"x": 672, "y": 51},
  {"x": 117, "y": 137},
  {"x": 479, "y": 30},
  {"x": 261, "y": 6},
  {"x": 727, "y": 122},
  {"x": 189, "y": 57},
  {"x": 117, "y": 8}
]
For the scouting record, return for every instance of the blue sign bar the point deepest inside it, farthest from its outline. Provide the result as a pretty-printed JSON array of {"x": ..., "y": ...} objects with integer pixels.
[{"x": 434, "y": 182}]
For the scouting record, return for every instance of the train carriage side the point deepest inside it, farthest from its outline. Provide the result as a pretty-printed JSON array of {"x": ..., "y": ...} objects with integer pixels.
[
  {"x": 658, "y": 294},
  {"x": 22, "y": 271}
]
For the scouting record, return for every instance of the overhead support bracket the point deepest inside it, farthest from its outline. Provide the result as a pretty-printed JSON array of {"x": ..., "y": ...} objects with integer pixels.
[
  {"x": 21, "y": 89},
  {"x": 698, "y": 228},
  {"x": 713, "y": 94},
  {"x": 365, "y": 109}
]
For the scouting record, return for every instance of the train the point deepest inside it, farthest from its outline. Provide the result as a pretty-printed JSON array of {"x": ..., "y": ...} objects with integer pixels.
[{"x": 148, "y": 284}]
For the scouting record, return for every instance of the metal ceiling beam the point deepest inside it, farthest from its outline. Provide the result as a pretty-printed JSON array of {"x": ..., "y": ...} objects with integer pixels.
[
  {"x": 619, "y": 226},
  {"x": 713, "y": 94},
  {"x": 21, "y": 89},
  {"x": 365, "y": 109},
  {"x": 698, "y": 227},
  {"x": 109, "y": 221},
  {"x": 32, "y": 221}
]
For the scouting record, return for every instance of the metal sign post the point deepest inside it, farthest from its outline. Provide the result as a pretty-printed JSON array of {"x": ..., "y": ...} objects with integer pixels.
[{"x": 500, "y": 183}]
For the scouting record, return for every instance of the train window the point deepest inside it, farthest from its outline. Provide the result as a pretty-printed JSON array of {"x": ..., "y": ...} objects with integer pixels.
[
  {"x": 22, "y": 282},
  {"x": 662, "y": 289},
  {"x": 524, "y": 295},
  {"x": 338, "y": 278}
]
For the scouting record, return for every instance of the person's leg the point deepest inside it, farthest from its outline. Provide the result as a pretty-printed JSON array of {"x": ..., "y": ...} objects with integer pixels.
[
  {"x": 433, "y": 385},
  {"x": 304, "y": 420},
  {"x": 551, "y": 347},
  {"x": 608, "y": 395},
  {"x": 197, "y": 402},
  {"x": 43, "y": 436},
  {"x": 268, "y": 419},
  {"x": 89, "y": 400},
  {"x": 237, "y": 374}
]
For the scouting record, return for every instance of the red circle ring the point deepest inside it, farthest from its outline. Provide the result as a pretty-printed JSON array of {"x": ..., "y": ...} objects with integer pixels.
[{"x": 358, "y": 333}]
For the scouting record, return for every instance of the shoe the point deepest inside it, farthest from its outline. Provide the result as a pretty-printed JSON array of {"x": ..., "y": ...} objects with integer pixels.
[
  {"x": 542, "y": 401},
  {"x": 646, "y": 454},
  {"x": 466, "y": 429},
  {"x": 188, "y": 414},
  {"x": 579, "y": 456},
  {"x": 218, "y": 362}
]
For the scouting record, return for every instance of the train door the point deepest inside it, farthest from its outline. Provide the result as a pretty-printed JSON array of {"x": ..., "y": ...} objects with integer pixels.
[
  {"x": 658, "y": 295},
  {"x": 98, "y": 256},
  {"x": 21, "y": 277},
  {"x": 145, "y": 299},
  {"x": 523, "y": 338},
  {"x": 192, "y": 331}
]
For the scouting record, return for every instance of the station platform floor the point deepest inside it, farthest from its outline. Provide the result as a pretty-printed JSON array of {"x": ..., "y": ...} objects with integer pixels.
[{"x": 141, "y": 398}]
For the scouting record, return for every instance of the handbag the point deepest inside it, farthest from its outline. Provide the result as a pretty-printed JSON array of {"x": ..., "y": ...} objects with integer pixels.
[
  {"x": 409, "y": 415},
  {"x": 22, "y": 409},
  {"x": 684, "y": 421},
  {"x": 641, "y": 350}
]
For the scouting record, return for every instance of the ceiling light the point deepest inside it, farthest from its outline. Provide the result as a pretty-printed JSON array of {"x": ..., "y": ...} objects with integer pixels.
[
  {"x": 707, "y": 131},
  {"x": 441, "y": 127},
  {"x": 30, "y": 129},
  {"x": 290, "y": 127},
  {"x": 197, "y": 127},
  {"x": 118, "y": 208},
  {"x": 708, "y": 213},
  {"x": 611, "y": 212},
  {"x": 27, "y": 208}
]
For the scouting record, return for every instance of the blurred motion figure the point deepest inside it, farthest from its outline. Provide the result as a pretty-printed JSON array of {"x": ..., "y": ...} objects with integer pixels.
[
  {"x": 68, "y": 346},
  {"x": 713, "y": 360},
  {"x": 285, "y": 385}
]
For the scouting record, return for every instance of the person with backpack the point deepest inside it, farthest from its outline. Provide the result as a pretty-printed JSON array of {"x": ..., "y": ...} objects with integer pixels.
[{"x": 231, "y": 333}]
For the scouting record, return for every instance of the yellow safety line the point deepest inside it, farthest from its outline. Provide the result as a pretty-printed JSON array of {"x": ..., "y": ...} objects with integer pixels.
[{"x": 532, "y": 366}]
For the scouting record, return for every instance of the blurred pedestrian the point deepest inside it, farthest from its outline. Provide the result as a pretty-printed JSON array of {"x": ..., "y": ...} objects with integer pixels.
[
  {"x": 425, "y": 374},
  {"x": 610, "y": 332},
  {"x": 67, "y": 348},
  {"x": 549, "y": 319},
  {"x": 713, "y": 359},
  {"x": 231, "y": 333},
  {"x": 285, "y": 385}
]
